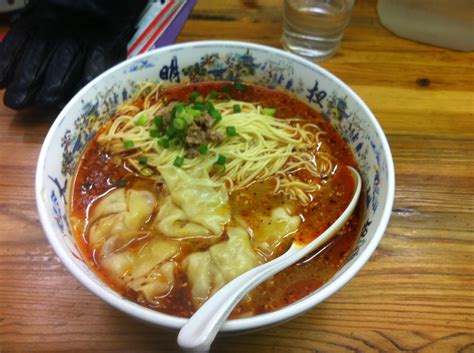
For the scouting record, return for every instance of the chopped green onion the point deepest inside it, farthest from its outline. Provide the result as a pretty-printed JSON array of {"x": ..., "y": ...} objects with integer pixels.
[
  {"x": 269, "y": 111},
  {"x": 146, "y": 172},
  {"x": 188, "y": 119},
  {"x": 239, "y": 86},
  {"x": 210, "y": 108},
  {"x": 231, "y": 131},
  {"x": 142, "y": 160},
  {"x": 176, "y": 142},
  {"x": 216, "y": 115},
  {"x": 203, "y": 148},
  {"x": 171, "y": 131},
  {"x": 199, "y": 106},
  {"x": 237, "y": 108},
  {"x": 193, "y": 96},
  {"x": 178, "y": 162},
  {"x": 165, "y": 143},
  {"x": 180, "y": 123},
  {"x": 226, "y": 88},
  {"x": 193, "y": 112},
  {"x": 211, "y": 95},
  {"x": 180, "y": 114},
  {"x": 142, "y": 120},
  {"x": 128, "y": 144},
  {"x": 155, "y": 133},
  {"x": 177, "y": 110},
  {"x": 190, "y": 114},
  {"x": 159, "y": 122},
  {"x": 221, "y": 159}
]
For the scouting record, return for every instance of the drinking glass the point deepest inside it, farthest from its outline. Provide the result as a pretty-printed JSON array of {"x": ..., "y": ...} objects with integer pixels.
[{"x": 314, "y": 28}]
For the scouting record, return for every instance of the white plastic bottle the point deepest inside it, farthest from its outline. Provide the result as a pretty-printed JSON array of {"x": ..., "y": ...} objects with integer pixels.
[{"x": 444, "y": 23}]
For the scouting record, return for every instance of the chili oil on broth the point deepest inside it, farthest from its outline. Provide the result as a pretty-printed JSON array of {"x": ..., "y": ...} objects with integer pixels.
[{"x": 99, "y": 173}]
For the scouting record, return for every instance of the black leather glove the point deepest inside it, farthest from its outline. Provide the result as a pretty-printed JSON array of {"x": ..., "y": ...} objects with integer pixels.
[{"x": 55, "y": 47}]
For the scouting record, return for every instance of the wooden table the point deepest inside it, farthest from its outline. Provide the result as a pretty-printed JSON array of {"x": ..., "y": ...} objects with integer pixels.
[{"x": 416, "y": 294}]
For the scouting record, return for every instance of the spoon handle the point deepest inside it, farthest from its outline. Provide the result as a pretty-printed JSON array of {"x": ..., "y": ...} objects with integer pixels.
[{"x": 199, "y": 332}]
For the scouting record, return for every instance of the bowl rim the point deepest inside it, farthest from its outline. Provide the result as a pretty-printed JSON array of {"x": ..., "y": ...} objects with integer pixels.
[{"x": 254, "y": 322}]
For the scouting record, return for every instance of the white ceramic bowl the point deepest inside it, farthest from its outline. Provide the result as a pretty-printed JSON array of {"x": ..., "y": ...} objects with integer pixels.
[{"x": 214, "y": 60}]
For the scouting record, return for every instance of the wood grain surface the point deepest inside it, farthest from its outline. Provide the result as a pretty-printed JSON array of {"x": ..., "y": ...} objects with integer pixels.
[{"x": 416, "y": 294}]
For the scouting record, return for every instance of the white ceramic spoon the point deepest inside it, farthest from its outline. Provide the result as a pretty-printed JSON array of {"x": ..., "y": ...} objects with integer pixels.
[{"x": 200, "y": 330}]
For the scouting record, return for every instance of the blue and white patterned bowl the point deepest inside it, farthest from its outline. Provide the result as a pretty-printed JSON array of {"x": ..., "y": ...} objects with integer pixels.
[{"x": 213, "y": 60}]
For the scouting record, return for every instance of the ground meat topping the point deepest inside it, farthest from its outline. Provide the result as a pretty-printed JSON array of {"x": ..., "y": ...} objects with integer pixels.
[
  {"x": 205, "y": 121},
  {"x": 191, "y": 152},
  {"x": 215, "y": 136},
  {"x": 196, "y": 136},
  {"x": 189, "y": 125},
  {"x": 200, "y": 132}
]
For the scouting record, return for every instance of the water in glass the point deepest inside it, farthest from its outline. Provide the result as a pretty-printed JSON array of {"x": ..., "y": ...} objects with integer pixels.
[{"x": 314, "y": 28}]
